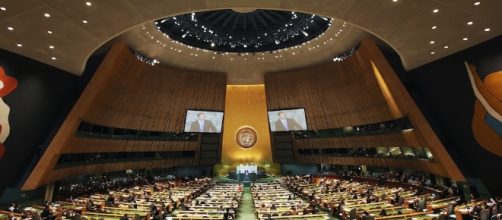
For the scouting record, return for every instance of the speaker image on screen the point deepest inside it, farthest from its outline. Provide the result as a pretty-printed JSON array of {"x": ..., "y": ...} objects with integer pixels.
[
  {"x": 203, "y": 121},
  {"x": 287, "y": 120}
]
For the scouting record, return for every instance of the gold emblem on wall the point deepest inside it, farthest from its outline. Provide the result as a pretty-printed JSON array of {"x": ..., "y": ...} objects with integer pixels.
[{"x": 246, "y": 137}]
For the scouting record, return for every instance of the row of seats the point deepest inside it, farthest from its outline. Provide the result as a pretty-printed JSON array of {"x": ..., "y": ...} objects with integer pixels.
[
  {"x": 221, "y": 201},
  {"x": 360, "y": 200},
  {"x": 157, "y": 201},
  {"x": 274, "y": 201}
]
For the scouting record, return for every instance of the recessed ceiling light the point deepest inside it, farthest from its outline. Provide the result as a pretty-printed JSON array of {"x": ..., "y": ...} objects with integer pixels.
[
  {"x": 465, "y": 38},
  {"x": 433, "y": 52},
  {"x": 51, "y": 46},
  {"x": 84, "y": 21},
  {"x": 434, "y": 27},
  {"x": 395, "y": 0},
  {"x": 432, "y": 42},
  {"x": 88, "y": 3},
  {"x": 3, "y": 8},
  {"x": 477, "y": 3},
  {"x": 445, "y": 47},
  {"x": 47, "y": 15},
  {"x": 487, "y": 29},
  {"x": 53, "y": 58},
  {"x": 470, "y": 23},
  {"x": 19, "y": 45},
  {"x": 10, "y": 28},
  {"x": 49, "y": 32},
  {"x": 435, "y": 10}
]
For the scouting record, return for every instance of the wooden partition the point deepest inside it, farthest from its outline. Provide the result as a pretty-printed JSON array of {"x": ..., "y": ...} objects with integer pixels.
[
  {"x": 360, "y": 90},
  {"x": 334, "y": 94},
  {"x": 130, "y": 94}
]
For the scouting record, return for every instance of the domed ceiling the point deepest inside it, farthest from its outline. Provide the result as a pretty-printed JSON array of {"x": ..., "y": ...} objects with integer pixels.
[
  {"x": 245, "y": 44},
  {"x": 240, "y": 32},
  {"x": 65, "y": 33}
]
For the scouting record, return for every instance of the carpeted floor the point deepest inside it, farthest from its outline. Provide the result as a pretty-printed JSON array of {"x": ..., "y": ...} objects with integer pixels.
[{"x": 246, "y": 209}]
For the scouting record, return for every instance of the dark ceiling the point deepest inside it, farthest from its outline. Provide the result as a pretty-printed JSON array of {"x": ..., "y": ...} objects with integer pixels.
[{"x": 254, "y": 31}]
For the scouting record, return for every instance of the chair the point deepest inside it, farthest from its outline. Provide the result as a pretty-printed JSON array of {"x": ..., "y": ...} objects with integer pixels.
[
  {"x": 442, "y": 217},
  {"x": 369, "y": 217},
  {"x": 421, "y": 205},
  {"x": 400, "y": 201},
  {"x": 450, "y": 212},
  {"x": 485, "y": 214},
  {"x": 352, "y": 213}
]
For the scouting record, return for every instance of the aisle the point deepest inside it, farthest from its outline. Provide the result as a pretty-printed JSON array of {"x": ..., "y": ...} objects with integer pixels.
[{"x": 246, "y": 208}]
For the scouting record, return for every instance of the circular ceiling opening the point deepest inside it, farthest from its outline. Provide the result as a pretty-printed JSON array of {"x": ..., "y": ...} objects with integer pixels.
[{"x": 254, "y": 31}]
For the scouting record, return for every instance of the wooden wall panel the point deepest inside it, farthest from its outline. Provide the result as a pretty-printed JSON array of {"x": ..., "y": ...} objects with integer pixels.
[
  {"x": 155, "y": 98},
  {"x": 89, "y": 145},
  {"x": 360, "y": 90},
  {"x": 127, "y": 93},
  {"x": 424, "y": 133},
  {"x": 331, "y": 93}
]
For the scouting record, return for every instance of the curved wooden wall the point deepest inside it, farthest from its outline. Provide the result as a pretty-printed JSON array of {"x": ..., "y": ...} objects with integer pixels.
[
  {"x": 331, "y": 93},
  {"x": 360, "y": 90},
  {"x": 91, "y": 145},
  {"x": 155, "y": 98},
  {"x": 128, "y": 93}
]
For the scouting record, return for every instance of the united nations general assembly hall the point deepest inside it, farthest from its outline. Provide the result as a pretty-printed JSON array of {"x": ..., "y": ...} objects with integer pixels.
[{"x": 250, "y": 109}]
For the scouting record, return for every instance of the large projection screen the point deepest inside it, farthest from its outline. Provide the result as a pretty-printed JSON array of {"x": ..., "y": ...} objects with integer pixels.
[
  {"x": 287, "y": 120},
  {"x": 203, "y": 121}
]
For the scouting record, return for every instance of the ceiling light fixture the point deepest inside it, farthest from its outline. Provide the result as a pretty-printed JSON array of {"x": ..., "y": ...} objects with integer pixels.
[
  {"x": 84, "y": 21},
  {"x": 19, "y": 45},
  {"x": 470, "y": 23},
  {"x": 432, "y": 42},
  {"x": 3, "y": 8},
  {"x": 395, "y": 0},
  {"x": 487, "y": 29},
  {"x": 53, "y": 58},
  {"x": 477, "y": 3},
  {"x": 433, "y": 52},
  {"x": 10, "y": 28},
  {"x": 88, "y": 3},
  {"x": 434, "y": 27},
  {"x": 445, "y": 47},
  {"x": 51, "y": 47},
  {"x": 47, "y": 15},
  {"x": 49, "y": 32},
  {"x": 435, "y": 10},
  {"x": 465, "y": 38}
]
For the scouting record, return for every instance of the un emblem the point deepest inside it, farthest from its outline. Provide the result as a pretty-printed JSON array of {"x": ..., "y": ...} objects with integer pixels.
[{"x": 246, "y": 137}]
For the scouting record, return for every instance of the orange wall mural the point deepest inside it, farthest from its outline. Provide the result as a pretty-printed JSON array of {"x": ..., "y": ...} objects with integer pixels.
[
  {"x": 488, "y": 103},
  {"x": 7, "y": 85}
]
